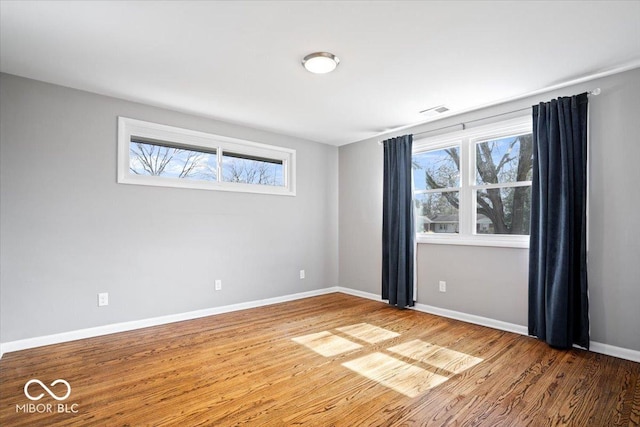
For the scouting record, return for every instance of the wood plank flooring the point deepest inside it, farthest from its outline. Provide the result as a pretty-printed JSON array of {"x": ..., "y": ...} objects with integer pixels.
[{"x": 332, "y": 360}]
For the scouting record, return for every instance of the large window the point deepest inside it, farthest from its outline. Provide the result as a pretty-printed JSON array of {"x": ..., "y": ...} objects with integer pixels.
[
  {"x": 474, "y": 186},
  {"x": 153, "y": 154}
]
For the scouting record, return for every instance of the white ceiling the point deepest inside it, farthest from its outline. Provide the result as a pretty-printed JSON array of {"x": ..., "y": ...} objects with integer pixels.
[{"x": 240, "y": 61}]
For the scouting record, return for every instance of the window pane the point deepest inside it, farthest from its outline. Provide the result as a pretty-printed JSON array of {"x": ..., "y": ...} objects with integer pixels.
[
  {"x": 172, "y": 162},
  {"x": 252, "y": 170},
  {"x": 437, "y": 169},
  {"x": 504, "y": 160},
  {"x": 503, "y": 210},
  {"x": 437, "y": 212}
]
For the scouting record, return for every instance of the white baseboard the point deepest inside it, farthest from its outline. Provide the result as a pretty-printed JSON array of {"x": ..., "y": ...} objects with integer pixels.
[
  {"x": 145, "y": 323},
  {"x": 611, "y": 350},
  {"x": 596, "y": 347},
  {"x": 457, "y": 315},
  {"x": 7, "y": 347},
  {"x": 472, "y": 318},
  {"x": 361, "y": 294}
]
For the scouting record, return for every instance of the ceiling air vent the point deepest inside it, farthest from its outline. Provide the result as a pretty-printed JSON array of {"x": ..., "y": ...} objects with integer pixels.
[{"x": 434, "y": 111}]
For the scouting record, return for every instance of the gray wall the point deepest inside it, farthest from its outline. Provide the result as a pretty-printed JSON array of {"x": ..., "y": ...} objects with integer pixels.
[
  {"x": 492, "y": 282},
  {"x": 70, "y": 231}
]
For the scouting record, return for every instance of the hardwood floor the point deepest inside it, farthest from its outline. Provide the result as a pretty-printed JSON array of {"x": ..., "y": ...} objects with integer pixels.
[{"x": 332, "y": 360}]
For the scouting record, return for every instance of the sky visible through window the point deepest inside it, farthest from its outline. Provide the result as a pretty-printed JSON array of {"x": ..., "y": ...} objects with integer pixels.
[
  {"x": 252, "y": 171},
  {"x": 171, "y": 162},
  {"x": 174, "y": 162},
  {"x": 503, "y": 155},
  {"x": 436, "y": 169}
]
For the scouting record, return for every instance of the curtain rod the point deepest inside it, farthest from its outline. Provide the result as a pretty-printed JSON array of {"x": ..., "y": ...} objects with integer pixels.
[{"x": 594, "y": 92}]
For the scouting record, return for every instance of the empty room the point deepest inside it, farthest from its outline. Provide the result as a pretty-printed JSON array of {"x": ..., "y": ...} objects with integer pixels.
[{"x": 319, "y": 213}]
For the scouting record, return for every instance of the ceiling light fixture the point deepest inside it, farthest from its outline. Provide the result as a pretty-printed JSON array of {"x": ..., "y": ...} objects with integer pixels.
[{"x": 320, "y": 62}]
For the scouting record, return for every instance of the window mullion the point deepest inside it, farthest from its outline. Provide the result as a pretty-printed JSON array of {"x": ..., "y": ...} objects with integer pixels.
[
  {"x": 437, "y": 190},
  {"x": 466, "y": 195},
  {"x": 219, "y": 152},
  {"x": 503, "y": 185}
]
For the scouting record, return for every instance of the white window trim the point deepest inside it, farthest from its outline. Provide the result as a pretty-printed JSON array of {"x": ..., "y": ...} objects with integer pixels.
[
  {"x": 190, "y": 139},
  {"x": 467, "y": 139}
]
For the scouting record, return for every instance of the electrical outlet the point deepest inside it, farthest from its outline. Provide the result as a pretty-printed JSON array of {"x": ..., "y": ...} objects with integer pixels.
[
  {"x": 443, "y": 286},
  {"x": 302, "y": 274},
  {"x": 218, "y": 285},
  {"x": 103, "y": 299}
]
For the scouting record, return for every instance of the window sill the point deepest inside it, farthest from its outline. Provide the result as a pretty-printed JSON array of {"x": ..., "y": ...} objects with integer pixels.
[{"x": 521, "y": 242}]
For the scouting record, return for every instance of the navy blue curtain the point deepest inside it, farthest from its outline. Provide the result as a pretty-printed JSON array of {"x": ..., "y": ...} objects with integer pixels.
[
  {"x": 398, "y": 234},
  {"x": 558, "y": 304}
]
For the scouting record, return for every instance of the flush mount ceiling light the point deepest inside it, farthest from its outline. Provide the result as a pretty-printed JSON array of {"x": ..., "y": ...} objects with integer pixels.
[{"x": 320, "y": 62}]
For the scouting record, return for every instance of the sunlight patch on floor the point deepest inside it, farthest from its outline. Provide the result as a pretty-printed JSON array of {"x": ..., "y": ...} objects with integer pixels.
[
  {"x": 434, "y": 355},
  {"x": 397, "y": 375},
  {"x": 326, "y": 343},
  {"x": 406, "y": 378},
  {"x": 368, "y": 333}
]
